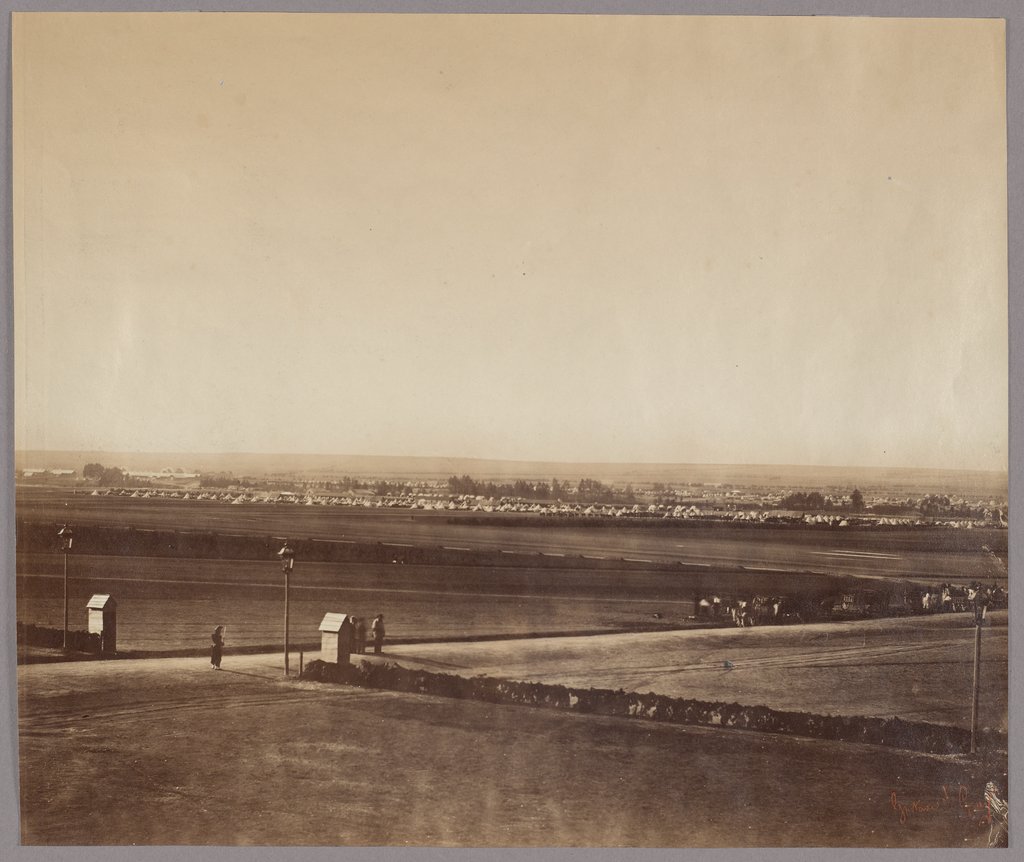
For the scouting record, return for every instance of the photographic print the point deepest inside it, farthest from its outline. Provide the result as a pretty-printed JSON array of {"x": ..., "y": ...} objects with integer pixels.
[{"x": 477, "y": 430}]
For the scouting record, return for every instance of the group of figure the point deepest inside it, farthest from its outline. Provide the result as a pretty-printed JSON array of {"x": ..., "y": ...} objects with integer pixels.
[
  {"x": 358, "y": 625},
  {"x": 760, "y": 609},
  {"x": 359, "y": 634},
  {"x": 743, "y": 612},
  {"x": 948, "y": 598}
]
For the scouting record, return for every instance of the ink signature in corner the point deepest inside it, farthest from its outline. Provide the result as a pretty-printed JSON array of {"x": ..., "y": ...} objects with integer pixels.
[{"x": 977, "y": 811}]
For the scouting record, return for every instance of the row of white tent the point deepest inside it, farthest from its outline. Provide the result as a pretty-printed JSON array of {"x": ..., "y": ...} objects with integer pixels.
[{"x": 467, "y": 503}]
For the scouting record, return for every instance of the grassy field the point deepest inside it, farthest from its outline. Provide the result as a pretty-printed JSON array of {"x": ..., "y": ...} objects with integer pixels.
[
  {"x": 166, "y": 603},
  {"x": 169, "y": 603},
  {"x": 932, "y": 555},
  {"x": 173, "y": 604},
  {"x": 165, "y": 751}
]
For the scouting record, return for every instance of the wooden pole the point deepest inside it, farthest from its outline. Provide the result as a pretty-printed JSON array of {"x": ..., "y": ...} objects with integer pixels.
[
  {"x": 65, "y": 599},
  {"x": 287, "y": 575},
  {"x": 977, "y": 681}
]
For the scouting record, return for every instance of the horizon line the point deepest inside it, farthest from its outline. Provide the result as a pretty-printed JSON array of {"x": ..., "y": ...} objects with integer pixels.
[{"x": 611, "y": 463}]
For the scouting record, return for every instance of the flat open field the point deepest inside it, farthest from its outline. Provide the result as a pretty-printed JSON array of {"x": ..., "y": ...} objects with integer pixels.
[
  {"x": 169, "y": 603},
  {"x": 932, "y": 555},
  {"x": 174, "y": 604},
  {"x": 166, "y": 751}
]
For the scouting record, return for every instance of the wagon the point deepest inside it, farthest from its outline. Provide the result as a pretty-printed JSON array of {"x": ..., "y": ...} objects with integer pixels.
[{"x": 856, "y": 605}]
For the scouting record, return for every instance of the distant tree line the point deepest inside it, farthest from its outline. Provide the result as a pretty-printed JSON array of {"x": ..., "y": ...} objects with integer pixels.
[
  {"x": 105, "y": 475},
  {"x": 931, "y": 505},
  {"x": 585, "y": 491},
  {"x": 392, "y": 489},
  {"x": 345, "y": 483},
  {"x": 814, "y": 501},
  {"x": 943, "y": 505},
  {"x": 224, "y": 480}
]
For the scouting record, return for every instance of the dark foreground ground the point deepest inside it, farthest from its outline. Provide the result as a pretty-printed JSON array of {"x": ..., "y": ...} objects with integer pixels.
[{"x": 167, "y": 751}]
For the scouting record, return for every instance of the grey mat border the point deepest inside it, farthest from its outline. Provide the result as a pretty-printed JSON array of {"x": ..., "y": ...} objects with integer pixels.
[{"x": 1011, "y": 10}]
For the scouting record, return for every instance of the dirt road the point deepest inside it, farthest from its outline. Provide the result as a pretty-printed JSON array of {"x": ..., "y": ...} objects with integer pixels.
[{"x": 168, "y": 751}]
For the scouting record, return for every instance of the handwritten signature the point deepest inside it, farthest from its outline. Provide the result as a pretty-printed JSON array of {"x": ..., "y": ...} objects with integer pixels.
[{"x": 977, "y": 811}]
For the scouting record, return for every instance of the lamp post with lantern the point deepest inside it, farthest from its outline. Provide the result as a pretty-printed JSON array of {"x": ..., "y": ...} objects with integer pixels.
[
  {"x": 981, "y": 602},
  {"x": 65, "y": 536},
  {"x": 287, "y": 556}
]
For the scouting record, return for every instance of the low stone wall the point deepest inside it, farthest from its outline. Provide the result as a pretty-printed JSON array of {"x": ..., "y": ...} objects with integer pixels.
[{"x": 892, "y": 732}]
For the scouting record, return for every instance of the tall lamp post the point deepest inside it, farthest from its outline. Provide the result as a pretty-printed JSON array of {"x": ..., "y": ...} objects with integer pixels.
[
  {"x": 980, "y": 606},
  {"x": 287, "y": 556},
  {"x": 64, "y": 534}
]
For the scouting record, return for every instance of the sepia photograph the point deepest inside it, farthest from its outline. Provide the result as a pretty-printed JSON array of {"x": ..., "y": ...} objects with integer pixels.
[{"x": 453, "y": 430}]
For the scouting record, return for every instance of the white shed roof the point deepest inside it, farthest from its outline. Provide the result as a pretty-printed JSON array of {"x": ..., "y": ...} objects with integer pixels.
[{"x": 333, "y": 622}]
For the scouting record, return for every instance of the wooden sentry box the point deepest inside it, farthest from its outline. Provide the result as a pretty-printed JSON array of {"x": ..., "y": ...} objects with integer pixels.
[
  {"x": 102, "y": 610},
  {"x": 336, "y": 638}
]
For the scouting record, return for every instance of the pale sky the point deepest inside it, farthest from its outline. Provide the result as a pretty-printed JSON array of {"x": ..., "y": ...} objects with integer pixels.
[{"x": 569, "y": 238}]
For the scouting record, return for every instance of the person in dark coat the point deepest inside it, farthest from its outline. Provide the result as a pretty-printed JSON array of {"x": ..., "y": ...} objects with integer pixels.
[
  {"x": 218, "y": 647},
  {"x": 377, "y": 628},
  {"x": 360, "y": 627}
]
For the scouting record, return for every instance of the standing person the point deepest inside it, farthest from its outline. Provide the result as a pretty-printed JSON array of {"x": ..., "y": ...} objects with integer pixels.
[
  {"x": 377, "y": 628},
  {"x": 360, "y": 635},
  {"x": 218, "y": 647},
  {"x": 972, "y": 597}
]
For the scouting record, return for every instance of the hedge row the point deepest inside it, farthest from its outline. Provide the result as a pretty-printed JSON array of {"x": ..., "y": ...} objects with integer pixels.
[
  {"x": 892, "y": 732},
  {"x": 30, "y": 635}
]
